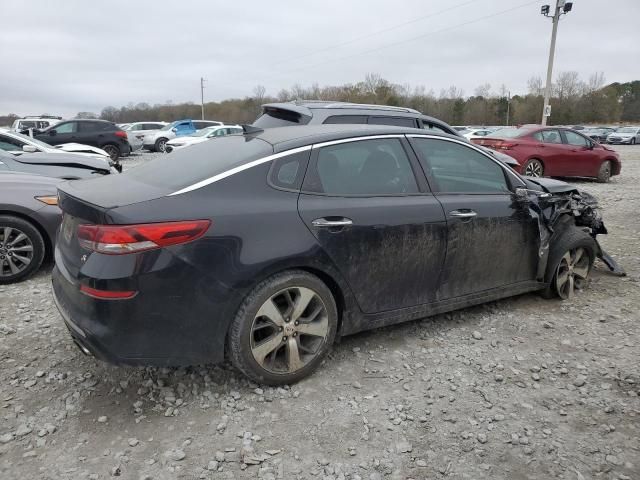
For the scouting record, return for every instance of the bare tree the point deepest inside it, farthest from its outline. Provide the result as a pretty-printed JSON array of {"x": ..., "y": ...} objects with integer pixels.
[
  {"x": 483, "y": 91},
  {"x": 596, "y": 82},
  {"x": 534, "y": 85}
]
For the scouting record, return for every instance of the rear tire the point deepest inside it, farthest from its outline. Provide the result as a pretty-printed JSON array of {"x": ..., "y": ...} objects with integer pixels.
[
  {"x": 112, "y": 150},
  {"x": 604, "y": 174},
  {"x": 284, "y": 328},
  {"x": 571, "y": 258},
  {"x": 533, "y": 168},
  {"x": 22, "y": 253}
]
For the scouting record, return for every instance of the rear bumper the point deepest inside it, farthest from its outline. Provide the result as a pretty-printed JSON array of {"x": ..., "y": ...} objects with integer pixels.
[{"x": 166, "y": 324}]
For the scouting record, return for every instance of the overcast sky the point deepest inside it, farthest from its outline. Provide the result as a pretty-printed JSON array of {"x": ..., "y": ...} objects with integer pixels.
[{"x": 62, "y": 57}]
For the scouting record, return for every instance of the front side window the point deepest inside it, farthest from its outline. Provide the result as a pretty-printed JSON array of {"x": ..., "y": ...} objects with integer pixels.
[
  {"x": 69, "y": 127},
  {"x": 457, "y": 168},
  {"x": 365, "y": 167},
  {"x": 9, "y": 144},
  {"x": 574, "y": 138},
  {"x": 548, "y": 136}
]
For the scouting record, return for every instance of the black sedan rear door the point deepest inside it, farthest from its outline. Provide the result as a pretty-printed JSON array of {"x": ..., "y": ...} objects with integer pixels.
[{"x": 376, "y": 220}]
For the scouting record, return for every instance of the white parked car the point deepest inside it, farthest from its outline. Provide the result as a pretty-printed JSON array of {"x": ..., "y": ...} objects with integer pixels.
[
  {"x": 630, "y": 135},
  {"x": 140, "y": 129},
  {"x": 476, "y": 133},
  {"x": 156, "y": 141},
  {"x": 201, "y": 136},
  {"x": 35, "y": 122},
  {"x": 17, "y": 142}
]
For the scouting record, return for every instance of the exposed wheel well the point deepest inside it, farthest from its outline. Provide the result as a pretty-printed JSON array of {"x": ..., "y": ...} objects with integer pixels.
[
  {"x": 338, "y": 295},
  {"x": 615, "y": 166},
  {"x": 48, "y": 246}
]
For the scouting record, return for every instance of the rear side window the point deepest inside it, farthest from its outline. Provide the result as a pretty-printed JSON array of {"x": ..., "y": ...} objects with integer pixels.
[
  {"x": 287, "y": 172},
  {"x": 365, "y": 167},
  {"x": 458, "y": 168},
  {"x": 277, "y": 117},
  {"x": 89, "y": 127},
  {"x": 152, "y": 126},
  {"x": 397, "y": 121},
  {"x": 346, "y": 119},
  {"x": 548, "y": 136}
]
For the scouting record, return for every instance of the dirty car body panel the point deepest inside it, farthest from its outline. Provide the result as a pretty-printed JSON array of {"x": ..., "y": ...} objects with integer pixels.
[{"x": 390, "y": 249}]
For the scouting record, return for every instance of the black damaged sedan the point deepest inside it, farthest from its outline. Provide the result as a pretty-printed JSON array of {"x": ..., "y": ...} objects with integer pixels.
[{"x": 264, "y": 247}]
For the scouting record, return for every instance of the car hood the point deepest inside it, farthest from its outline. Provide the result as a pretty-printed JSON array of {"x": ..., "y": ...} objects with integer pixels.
[
  {"x": 549, "y": 185},
  {"x": 64, "y": 159},
  {"x": 80, "y": 148},
  {"x": 621, "y": 135}
]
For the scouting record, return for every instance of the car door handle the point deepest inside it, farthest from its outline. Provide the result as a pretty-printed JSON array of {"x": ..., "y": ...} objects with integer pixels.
[
  {"x": 337, "y": 222},
  {"x": 462, "y": 213}
]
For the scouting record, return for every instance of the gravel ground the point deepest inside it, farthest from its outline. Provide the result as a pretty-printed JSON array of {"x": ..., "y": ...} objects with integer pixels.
[{"x": 515, "y": 389}]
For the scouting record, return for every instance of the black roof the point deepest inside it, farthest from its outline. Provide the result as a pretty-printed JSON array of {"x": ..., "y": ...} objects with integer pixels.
[{"x": 286, "y": 138}]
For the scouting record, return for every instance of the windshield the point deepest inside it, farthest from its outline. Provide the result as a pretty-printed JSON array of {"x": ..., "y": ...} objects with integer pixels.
[
  {"x": 167, "y": 127},
  {"x": 510, "y": 133},
  {"x": 627, "y": 130},
  {"x": 33, "y": 141},
  {"x": 204, "y": 132}
]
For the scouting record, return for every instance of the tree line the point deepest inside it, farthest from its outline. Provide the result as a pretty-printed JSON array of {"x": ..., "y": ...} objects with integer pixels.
[{"x": 573, "y": 101}]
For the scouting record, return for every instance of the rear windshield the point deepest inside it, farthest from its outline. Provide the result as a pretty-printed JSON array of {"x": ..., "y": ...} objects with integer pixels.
[
  {"x": 276, "y": 117},
  {"x": 187, "y": 166},
  {"x": 510, "y": 133}
]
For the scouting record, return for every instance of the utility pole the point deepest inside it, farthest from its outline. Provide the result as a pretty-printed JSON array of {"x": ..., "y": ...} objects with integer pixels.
[
  {"x": 508, "y": 106},
  {"x": 202, "y": 95},
  {"x": 562, "y": 7}
]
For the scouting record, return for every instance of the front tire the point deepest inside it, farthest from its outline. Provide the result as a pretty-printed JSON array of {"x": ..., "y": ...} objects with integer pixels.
[
  {"x": 21, "y": 249},
  {"x": 160, "y": 145},
  {"x": 604, "y": 174},
  {"x": 570, "y": 260},
  {"x": 632, "y": 142},
  {"x": 284, "y": 328},
  {"x": 533, "y": 168}
]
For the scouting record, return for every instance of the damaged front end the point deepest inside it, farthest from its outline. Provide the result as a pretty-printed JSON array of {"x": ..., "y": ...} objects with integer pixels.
[{"x": 556, "y": 203}]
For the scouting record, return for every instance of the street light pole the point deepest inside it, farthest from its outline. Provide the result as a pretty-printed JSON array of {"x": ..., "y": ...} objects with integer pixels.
[
  {"x": 562, "y": 7},
  {"x": 202, "y": 95}
]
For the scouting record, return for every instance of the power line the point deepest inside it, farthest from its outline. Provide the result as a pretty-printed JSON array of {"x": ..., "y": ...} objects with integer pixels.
[
  {"x": 372, "y": 34},
  {"x": 419, "y": 37}
]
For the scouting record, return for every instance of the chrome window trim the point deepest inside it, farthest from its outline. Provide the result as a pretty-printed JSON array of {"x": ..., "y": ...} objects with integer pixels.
[
  {"x": 275, "y": 156},
  {"x": 260, "y": 161},
  {"x": 238, "y": 169}
]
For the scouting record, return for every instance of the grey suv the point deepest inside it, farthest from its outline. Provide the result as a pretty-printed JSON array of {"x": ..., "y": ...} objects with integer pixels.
[{"x": 312, "y": 112}]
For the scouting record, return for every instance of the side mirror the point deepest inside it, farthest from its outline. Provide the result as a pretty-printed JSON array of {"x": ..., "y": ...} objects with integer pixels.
[
  {"x": 174, "y": 130},
  {"x": 29, "y": 149},
  {"x": 52, "y": 133},
  {"x": 522, "y": 194}
]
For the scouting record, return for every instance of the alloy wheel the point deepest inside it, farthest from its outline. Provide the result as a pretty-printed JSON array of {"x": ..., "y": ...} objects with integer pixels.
[
  {"x": 162, "y": 145},
  {"x": 533, "y": 169},
  {"x": 16, "y": 251},
  {"x": 289, "y": 330},
  {"x": 112, "y": 151},
  {"x": 572, "y": 272}
]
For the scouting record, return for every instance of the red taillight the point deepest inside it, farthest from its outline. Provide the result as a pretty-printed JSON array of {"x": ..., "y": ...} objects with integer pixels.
[
  {"x": 121, "y": 239},
  {"x": 505, "y": 145},
  {"x": 121, "y": 134},
  {"x": 107, "y": 294}
]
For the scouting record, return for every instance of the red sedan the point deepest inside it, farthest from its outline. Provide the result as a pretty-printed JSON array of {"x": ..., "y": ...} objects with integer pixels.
[{"x": 554, "y": 152}]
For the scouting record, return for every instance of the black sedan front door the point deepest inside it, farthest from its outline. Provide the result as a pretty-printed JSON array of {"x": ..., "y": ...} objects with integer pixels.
[
  {"x": 492, "y": 239},
  {"x": 373, "y": 218}
]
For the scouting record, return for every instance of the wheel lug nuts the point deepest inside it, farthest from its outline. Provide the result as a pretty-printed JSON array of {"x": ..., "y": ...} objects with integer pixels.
[{"x": 284, "y": 339}]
